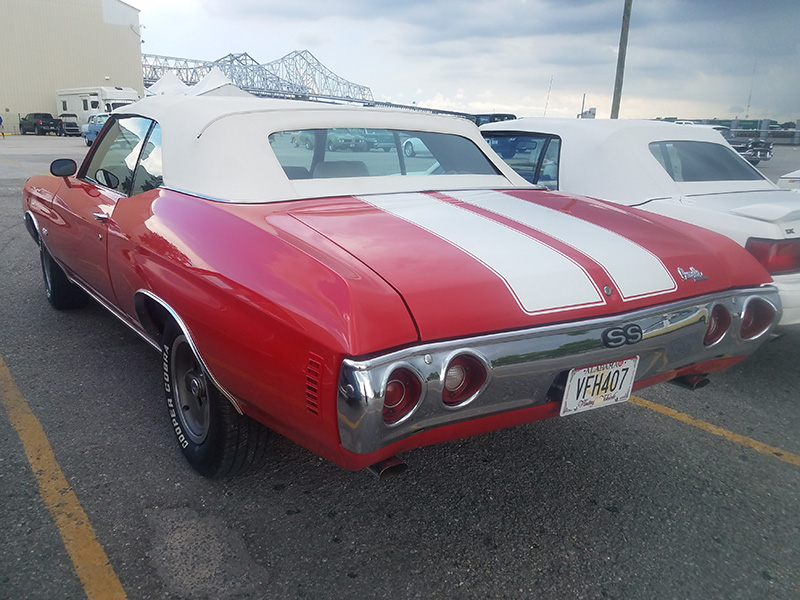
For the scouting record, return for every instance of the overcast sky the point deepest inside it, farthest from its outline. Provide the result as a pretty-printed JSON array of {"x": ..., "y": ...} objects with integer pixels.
[{"x": 686, "y": 58}]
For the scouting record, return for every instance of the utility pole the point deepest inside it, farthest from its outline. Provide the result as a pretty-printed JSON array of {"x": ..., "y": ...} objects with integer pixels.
[{"x": 623, "y": 48}]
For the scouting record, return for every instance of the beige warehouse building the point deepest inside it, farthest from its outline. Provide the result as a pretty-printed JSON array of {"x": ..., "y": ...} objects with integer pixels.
[{"x": 48, "y": 45}]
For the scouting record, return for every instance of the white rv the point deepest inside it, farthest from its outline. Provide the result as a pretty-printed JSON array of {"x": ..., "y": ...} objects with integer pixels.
[{"x": 89, "y": 101}]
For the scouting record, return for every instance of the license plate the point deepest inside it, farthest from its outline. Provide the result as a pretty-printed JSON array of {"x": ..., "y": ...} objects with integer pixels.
[{"x": 599, "y": 385}]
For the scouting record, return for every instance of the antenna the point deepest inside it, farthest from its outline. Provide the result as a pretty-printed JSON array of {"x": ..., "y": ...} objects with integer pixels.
[
  {"x": 546, "y": 102},
  {"x": 750, "y": 95}
]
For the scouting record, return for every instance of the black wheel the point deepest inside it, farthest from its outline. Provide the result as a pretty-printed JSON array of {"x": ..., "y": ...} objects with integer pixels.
[
  {"x": 331, "y": 147},
  {"x": 309, "y": 145},
  {"x": 386, "y": 149},
  {"x": 754, "y": 161},
  {"x": 88, "y": 143},
  {"x": 22, "y": 130},
  {"x": 408, "y": 149},
  {"x": 39, "y": 131},
  {"x": 61, "y": 292},
  {"x": 215, "y": 439}
]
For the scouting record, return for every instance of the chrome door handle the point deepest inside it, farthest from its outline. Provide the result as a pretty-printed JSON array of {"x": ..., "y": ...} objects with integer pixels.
[{"x": 100, "y": 216}]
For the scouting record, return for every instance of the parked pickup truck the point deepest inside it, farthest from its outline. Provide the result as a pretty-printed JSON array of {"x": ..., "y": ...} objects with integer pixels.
[{"x": 39, "y": 123}]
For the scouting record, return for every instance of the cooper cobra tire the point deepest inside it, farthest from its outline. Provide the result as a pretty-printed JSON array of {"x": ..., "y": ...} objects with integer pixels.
[
  {"x": 61, "y": 292},
  {"x": 215, "y": 439}
]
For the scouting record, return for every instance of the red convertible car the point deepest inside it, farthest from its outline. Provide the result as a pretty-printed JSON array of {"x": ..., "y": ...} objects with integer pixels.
[{"x": 362, "y": 303}]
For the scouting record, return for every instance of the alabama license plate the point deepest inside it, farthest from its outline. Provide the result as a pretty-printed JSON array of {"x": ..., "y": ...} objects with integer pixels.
[{"x": 599, "y": 385}]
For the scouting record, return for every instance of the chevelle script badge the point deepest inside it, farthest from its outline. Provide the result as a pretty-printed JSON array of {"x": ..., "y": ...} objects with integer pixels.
[{"x": 692, "y": 274}]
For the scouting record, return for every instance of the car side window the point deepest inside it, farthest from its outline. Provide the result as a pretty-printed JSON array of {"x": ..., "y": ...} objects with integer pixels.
[
  {"x": 548, "y": 171},
  {"x": 534, "y": 156},
  {"x": 149, "y": 174},
  {"x": 113, "y": 163}
]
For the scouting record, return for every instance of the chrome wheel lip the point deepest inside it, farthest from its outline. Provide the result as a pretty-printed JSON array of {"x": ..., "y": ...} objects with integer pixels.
[
  {"x": 46, "y": 271},
  {"x": 192, "y": 404}
]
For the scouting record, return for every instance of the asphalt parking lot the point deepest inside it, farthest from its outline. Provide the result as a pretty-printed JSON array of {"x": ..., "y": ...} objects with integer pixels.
[{"x": 675, "y": 495}]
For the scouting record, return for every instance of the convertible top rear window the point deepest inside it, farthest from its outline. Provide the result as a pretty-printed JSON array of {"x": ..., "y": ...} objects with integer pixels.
[
  {"x": 702, "y": 161},
  {"x": 358, "y": 152}
]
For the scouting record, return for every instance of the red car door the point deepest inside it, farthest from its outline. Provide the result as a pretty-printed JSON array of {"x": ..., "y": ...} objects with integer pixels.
[
  {"x": 83, "y": 208},
  {"x": 77, "y": 235}
]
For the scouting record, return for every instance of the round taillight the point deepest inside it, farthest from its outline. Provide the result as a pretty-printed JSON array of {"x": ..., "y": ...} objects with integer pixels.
[
  {"x": 757, "y": 317},
  {"x": 463, "y": 378},
  {"x": 718, "y": 324},
  {"x": 402, "y": 393}
]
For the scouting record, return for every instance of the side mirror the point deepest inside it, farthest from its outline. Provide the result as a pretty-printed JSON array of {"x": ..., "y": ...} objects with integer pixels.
[
  {"x": 106, "y": 178},
  {"x": 63, "y": 167}
]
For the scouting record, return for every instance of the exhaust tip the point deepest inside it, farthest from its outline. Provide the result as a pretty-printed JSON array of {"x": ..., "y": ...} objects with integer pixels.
[
  {"x": 387, "y": 468},
  {"x": 692, "y": 382}
]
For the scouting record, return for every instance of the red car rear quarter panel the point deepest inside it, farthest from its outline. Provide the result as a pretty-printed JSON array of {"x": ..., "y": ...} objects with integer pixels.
[{"x": 259, "y": 302}]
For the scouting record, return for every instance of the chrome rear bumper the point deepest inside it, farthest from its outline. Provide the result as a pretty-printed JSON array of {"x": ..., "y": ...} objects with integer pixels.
[{"x": 525, "y": 367}]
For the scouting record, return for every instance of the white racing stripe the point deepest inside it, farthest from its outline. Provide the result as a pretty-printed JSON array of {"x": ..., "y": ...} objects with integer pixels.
[
  {"x": 555, "y": 282},
  {"x": 636, "y": 271}
]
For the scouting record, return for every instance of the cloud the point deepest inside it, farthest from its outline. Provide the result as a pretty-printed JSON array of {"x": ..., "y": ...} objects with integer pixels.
[{"x": 701, "y": 57}]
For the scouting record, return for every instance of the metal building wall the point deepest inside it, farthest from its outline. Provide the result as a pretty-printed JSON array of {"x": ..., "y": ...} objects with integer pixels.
[{"x": 48, "y": 45}]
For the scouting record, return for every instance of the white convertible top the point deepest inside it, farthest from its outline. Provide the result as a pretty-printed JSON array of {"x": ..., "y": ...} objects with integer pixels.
[
  {"x": 611, "y": 159},
  {"x": 218, "y": 147}
]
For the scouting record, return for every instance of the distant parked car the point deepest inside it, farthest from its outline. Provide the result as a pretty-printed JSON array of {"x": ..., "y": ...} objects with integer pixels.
[
  {"x": 342, "y": 139},
  {"x": 304, "y": 139},
  {"x": 374, "y": 139},
  {"x": 685, "y": 172},
  {"x": 69, "y": 125},
  {"x": 38, "y": 123},
  {"x": 93, "y": 127},
  {"x": 484, "y": 118},
  {"x": 413, "y": 146},
  {"x": 752, "y": 149}
]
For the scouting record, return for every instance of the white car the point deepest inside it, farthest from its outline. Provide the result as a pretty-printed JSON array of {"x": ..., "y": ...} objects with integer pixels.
[
  {"x": 414, "y": 146},
  {"x": 688, "y": 173},
  {"x": 790, "y": 181}
]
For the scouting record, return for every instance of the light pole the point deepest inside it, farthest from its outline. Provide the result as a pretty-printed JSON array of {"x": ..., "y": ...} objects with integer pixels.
[{"x": 623, "y": 48}]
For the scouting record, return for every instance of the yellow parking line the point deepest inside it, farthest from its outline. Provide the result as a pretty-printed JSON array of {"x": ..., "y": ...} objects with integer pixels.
[
  {"x": 96, "y": 574},
  {"x": 16, "y": 164},
  {"x": 788, "y": 457}
]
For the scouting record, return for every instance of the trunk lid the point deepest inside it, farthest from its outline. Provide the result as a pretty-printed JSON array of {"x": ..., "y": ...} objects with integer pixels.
[{"x": 472, "y": 262}]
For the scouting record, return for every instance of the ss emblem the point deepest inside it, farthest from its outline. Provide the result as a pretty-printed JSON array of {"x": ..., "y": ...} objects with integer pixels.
[{"x": 615, "y": 337}]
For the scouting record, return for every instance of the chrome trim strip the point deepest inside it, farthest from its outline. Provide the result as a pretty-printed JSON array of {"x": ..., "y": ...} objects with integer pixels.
[
  {"x": 231, "y": 398},
  {"x": 524, "y": 365},
  {"x": 110, "y": 308},
  {"x": 196, "y": 195}
]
